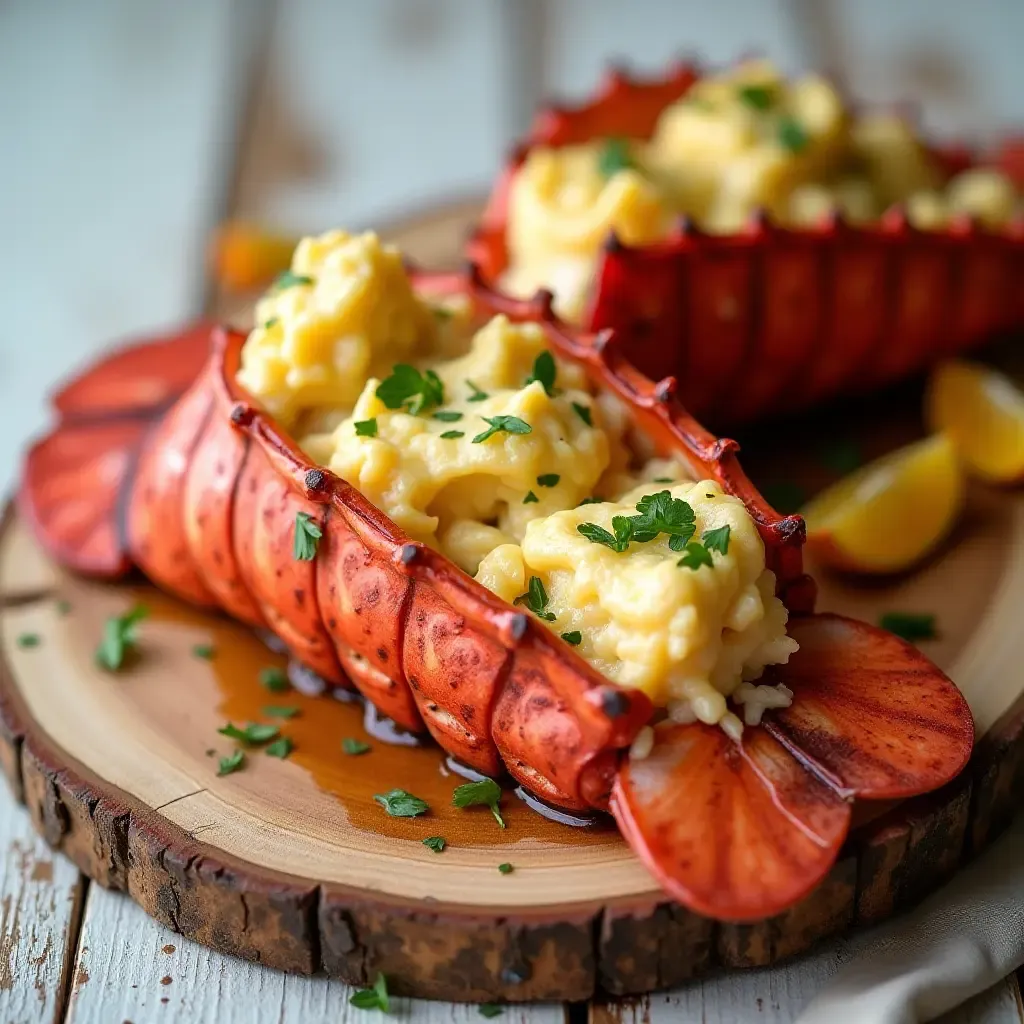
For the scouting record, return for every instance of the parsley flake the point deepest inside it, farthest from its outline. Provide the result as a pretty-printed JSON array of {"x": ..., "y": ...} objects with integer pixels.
[
  {"x": 27, "y": 640},
  {"x": 482, "y": 792},
  {"x": 475, "y": 394},
  {"x": 792, "y": 135},
  {"x": 614, "y": 157},
  {"x": 289, "y": 279},
  {"x": 354, "y": 747},
  {"x": 452, "y": 435},
  {"x": 400, "y": 804},
  {"x": 119, "y": 637},
  {"x": 617, "y": 541},
  {"x": 307, "y": 535},
  {"x": 280, "y": 748},
  {"x": 544, "y": 373},
  {"x": 447, "y": 416},
  {"x": 506, "y": 868},
  {"x": 375, "y": 998},
  {"x": 530, "y": 498},
  {"x": 717, "y": 540},
  {"x": 548, "y": 479},
  {"x": 366, "y": 428},
  {"x": 231, "y": 763},
  {"x": 695, "y": 556},
  {"x": 573, "y": 638},
  {"x": 409, "y": 389},
  {"x": 280, "y": 711},
  {"x": 593, "y": 499},
  {"x": 536, "y": 599},
  {"x": 759, "y": 97},
  {"x": 663, "y": 480},
  {"x": 274, "y": 679},
  {"x": 63, "y": 607},
  {"x": 490, "y": 1010},
  {"x": 911, "y": 626},
  {"x": 204, "y": 651},
  {"x": 583, "y": 411},
  {"x": 435, "y": 843},
  {"x": 508, "y": 424},
  {"x": 254, "y": 733},
  {"x": 272, "y": 322}
]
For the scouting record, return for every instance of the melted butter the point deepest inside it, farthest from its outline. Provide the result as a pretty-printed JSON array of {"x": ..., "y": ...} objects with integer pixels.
[{"x": 323, "y": 721}]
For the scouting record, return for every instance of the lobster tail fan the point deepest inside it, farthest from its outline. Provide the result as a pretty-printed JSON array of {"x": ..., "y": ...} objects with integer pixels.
[
  {"x": 734, "y": 831},
  {"x": 76, "y": 479}
]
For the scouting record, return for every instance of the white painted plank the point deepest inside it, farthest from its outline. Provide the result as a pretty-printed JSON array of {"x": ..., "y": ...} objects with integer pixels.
[
  {"x": 585, "y": 35},
  {"x": 117, "y": 119},
  {"x": 371, "y": 109},
  {"x": 40, "y": 896},
  {"x": 137, "y": 970}
]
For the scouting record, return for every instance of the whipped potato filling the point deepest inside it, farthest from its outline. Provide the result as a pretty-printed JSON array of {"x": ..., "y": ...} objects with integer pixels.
[{"x": 487, "y": 447}]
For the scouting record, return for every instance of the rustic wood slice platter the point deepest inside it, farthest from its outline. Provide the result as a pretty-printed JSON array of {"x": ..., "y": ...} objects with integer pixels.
[{"x": 291, "y": 862}]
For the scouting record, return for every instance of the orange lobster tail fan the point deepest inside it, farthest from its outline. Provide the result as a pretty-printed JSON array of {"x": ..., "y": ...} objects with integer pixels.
[{"x": 742, "y": 831}]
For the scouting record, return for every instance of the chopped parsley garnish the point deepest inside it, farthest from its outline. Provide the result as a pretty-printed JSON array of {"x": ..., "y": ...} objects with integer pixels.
[
  {"x": 435, "y": 843},
  {"x": 400, "y": 804},
  {"x": 272, "y": 322},
  {"x": 536, "y": 599},
  {"x": 354, "y": 747},
  {"x": 614, "y": 157},
  {"x": 792, "y": 135},
  {"x": 583, "y": 411},
  {"x": 548, "y": 479},
  {"x": 274, "y": 679},
  {"x": 26, "y": 640},
  {"x": 593, "y": 499},
  {"x": 231, "y": 763},
  {"x": 254, "y": 733},
  {"x": 911, "y": 626},
  {"x": 618, "y": 541},
  {"x": 475, "y": 394},
  {"x": 842, "y": 457},
  {"x": 204, "y": 651},
  {"x": 490, "y": 1010},
  {"x": 289, "y": 279},
  {"x": 717, "y": 540},
  {"x": 366, "y": 428},
  {"x": 695, "y": 556},
  {"x": 409, "y": 389},
  {"x": 307, "y": 536},
  {"x": 544, "y": 372},
  {"x": 63, "y": 607},
  {"x": 375, "y": 998},
  {"x": 452, "y": 435},
  {"x": 663, "y": 480},
  {"x": 280, "y": 711},
  {"x": 759, "y": 97},
  {"x": 508, "y": 424},
  {"x": 280, "y": 748},
  {"x": 484, "y": 792},
  {"x": 530, "y": 498},
  {"x": 506, "y": 868},
  {"x": 573, "y": 638},
  {"x": 447, "y": 415},
  {"x": 661, "y": 513},
  {"x": 119, "y": 637}
]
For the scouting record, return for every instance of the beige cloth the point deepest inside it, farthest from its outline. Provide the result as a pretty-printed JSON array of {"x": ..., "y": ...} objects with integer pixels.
[{"x": 960, "y": 941}]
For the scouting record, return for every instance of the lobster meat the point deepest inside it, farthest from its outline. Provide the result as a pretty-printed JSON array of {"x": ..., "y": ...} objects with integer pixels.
[
  {"x": 161, "y": 461},
  {"x": 770, "y": 320}
]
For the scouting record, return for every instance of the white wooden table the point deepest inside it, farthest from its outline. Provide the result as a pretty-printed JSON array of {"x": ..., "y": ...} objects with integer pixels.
[{"x": 129, "y": 129}]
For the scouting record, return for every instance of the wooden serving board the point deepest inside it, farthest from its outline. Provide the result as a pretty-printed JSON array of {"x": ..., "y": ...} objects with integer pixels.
[{"x": 291, "y": 862}]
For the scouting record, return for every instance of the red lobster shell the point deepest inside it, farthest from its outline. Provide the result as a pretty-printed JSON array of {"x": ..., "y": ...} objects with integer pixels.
[
  {"x": 202, "y": 493},
  {"x": 772, "y": 320}
]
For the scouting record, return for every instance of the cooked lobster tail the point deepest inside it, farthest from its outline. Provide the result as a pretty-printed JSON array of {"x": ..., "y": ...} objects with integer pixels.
[{"x": 162, "y": 462}]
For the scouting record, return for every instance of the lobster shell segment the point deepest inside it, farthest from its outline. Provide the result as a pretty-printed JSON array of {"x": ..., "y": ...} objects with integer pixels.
[
  {"x": 769, "y": 320},
  {"x": 742, "y": 830}
]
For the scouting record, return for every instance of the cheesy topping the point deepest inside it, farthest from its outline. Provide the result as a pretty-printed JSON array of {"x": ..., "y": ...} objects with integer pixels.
[
  {"x": 737, "y": 142},
  {"x": 498, "y": 456},
  {"x": 346, "y": 309},
  {"x": 685, "y": 636}
]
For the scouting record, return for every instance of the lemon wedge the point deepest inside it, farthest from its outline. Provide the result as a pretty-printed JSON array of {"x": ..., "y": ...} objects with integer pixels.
[
  {"x": 982, "y": 412},
  {"x": 889, "y": 514}
]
